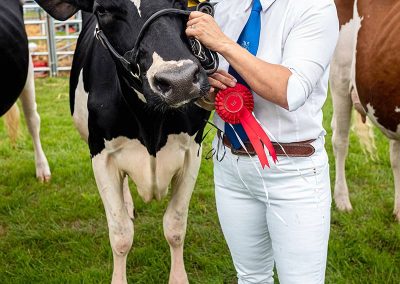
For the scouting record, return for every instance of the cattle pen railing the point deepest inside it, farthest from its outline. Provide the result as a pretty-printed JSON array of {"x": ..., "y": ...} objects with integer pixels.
[{"x": 52, "y": 43}]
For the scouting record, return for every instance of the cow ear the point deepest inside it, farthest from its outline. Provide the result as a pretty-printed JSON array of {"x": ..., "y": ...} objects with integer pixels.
[{"x": 64, "y": 9}]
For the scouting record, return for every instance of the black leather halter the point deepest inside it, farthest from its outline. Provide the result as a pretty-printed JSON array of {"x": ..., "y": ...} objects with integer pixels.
[{"x": 208, "y": 58}]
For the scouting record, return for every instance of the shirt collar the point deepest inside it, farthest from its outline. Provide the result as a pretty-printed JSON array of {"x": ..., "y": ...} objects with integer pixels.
[{"x": 264, "y": 3}]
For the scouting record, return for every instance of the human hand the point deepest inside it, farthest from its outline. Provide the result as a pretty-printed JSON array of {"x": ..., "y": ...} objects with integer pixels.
[
  {"x": 204, "y": 28},
  {"x": 220, "y": 80}
]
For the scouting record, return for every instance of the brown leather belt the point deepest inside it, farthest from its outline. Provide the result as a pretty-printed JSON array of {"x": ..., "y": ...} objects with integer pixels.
[{"x": 295, "y": 149}]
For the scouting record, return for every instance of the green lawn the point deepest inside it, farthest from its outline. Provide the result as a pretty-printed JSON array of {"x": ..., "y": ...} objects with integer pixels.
[{"x": 57, "y": 232}]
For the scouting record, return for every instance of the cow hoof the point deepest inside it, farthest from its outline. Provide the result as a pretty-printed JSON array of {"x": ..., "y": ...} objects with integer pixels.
[
  {"x": 43, "y": 173},
  {"x": 343, "y": 203}
]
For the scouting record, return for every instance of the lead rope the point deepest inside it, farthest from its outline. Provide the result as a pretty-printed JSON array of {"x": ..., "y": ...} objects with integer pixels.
[{"x": 216, "y": 153}]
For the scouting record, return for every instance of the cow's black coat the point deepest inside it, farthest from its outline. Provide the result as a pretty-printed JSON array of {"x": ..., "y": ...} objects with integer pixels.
[{"x": 14, "y": 53}]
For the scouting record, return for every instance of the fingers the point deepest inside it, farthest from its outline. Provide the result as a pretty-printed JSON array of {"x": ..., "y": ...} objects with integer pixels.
[
  {"x": 191, "y": 32},
  {"x": 193, "y": 28},
  {"x": 225, "y": 79},
  {"x": 226, "y": 74},
  {"x": 199, "y": 22},
  {"x": 204, "y": 28},
  {"x": 222, "y": 85},
  {"x": 193, "y": 22},
  {"x": 221, "y": 80},
  {"x": 216, "y": 84},
  {"x": 196, "y": 14}
]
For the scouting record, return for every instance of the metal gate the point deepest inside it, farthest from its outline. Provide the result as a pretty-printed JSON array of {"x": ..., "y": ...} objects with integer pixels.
[{"x": 52, "y": 43}]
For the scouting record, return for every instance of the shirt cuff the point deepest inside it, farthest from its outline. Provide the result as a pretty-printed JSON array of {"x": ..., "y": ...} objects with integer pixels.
[{"x": 296, "y": 94}]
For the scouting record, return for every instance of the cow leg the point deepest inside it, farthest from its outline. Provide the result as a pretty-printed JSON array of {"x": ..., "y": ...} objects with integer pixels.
[
  {"x": 175, "y": 217},
  {"x": 341, "y": 119},
  {"x": 33, "y": 121},
  {"x": 109, "y": 181},
  {"x": 340, "y": 142},
  {"x": 128, "y": 198},
  {"x": 395, "y": 161}
]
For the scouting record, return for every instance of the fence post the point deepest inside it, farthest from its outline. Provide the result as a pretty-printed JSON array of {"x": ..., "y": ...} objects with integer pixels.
[{"x": 51, "y": 43}]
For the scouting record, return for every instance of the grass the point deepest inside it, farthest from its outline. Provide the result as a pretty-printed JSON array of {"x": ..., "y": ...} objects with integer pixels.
[{"x": 57, "y": 232}]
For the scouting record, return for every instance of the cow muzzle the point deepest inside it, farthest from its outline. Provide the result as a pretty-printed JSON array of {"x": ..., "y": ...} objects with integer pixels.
[{"x": 179, "y": 84}]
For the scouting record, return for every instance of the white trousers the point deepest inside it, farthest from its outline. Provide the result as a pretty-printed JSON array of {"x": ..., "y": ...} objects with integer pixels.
[{"x": 286, "y": 221}]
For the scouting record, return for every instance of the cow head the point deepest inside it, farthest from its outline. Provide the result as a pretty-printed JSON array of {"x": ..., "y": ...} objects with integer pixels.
[{"x": 170, "y": 73}]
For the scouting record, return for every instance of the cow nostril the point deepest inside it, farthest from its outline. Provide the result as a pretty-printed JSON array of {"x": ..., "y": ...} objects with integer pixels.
[
  {"x": 162, "y": 84},
  {"x": 196, "y": 77}
]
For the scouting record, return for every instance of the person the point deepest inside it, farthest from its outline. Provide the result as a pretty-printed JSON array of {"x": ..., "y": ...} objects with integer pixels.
[{"x": 281, "y": 50}]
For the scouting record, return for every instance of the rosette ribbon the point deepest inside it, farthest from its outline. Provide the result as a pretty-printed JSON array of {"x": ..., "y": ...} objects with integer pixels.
[{"x": 234, "y": 106}]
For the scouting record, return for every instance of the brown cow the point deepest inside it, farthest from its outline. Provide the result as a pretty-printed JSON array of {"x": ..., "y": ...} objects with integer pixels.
[{"x": 366, "y": 65}]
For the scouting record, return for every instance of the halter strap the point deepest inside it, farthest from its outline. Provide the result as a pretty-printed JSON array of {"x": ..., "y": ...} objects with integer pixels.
[{"x": 133, "y": 53}]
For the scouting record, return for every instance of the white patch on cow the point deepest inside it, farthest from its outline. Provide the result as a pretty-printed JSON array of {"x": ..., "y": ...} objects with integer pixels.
[
  {"x": 178, "y": 161},
  {"x": 152, "y": 175},
  {"x": 95, "y": 30},
  {"x": 159, "y": 65},
  {"x": 137, "y": 4},
  {"x": 390, "y": 134},
  {"x": 181, "y": 103},
  {"x": 340, "y": 73},
  {"x": 397, "y": 109},
  {"x": 81, "y": 113},
  {"x": 357, "y": 22}
]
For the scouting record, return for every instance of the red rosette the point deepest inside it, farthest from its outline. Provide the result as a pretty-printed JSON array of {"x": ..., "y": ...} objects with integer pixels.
[
  {"x": 235, "y": 105},
  {"x": 230, "y": 102}
]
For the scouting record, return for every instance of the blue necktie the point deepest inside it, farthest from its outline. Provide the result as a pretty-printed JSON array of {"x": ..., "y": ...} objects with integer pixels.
[{"x": 249, "y": 39}]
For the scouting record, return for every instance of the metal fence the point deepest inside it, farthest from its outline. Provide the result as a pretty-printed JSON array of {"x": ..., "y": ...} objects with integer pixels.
[{"x": 51, "y": 42}]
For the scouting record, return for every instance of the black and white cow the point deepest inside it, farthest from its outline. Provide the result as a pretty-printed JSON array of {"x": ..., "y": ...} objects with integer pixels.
[
  {"x": 17, "y": 80},
  {"x": 153, "y": 136}
]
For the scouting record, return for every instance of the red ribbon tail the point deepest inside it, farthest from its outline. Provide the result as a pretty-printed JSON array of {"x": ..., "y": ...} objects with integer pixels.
[
  {"x": 255, "y": 140},
  {"x": 256, "y": 128}
]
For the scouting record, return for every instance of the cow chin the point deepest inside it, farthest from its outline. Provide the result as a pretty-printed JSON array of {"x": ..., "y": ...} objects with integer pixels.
[
  {"x": 173, "y": 100},
  {"x": 180, "y": 100}
]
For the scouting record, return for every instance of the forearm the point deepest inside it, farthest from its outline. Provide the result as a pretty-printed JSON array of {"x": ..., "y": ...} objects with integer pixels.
[{"x": 267, "y": 80}]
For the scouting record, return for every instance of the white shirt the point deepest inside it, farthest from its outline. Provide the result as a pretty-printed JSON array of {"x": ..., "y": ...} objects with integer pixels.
[{"x": 300, "y": 35}]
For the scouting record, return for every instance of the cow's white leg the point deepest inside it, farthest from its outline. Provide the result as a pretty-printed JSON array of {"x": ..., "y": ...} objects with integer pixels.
[
  {"x": 175, "y": 218},
  {"x": 109, "y": 181},
  {"x": 340, "y": 82},
  {"x": 128, "y": 198},
  {"x": 340, "y": 141},
  {"x": 395, "y": 161},
  {"x": 33, "y": 121}
]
